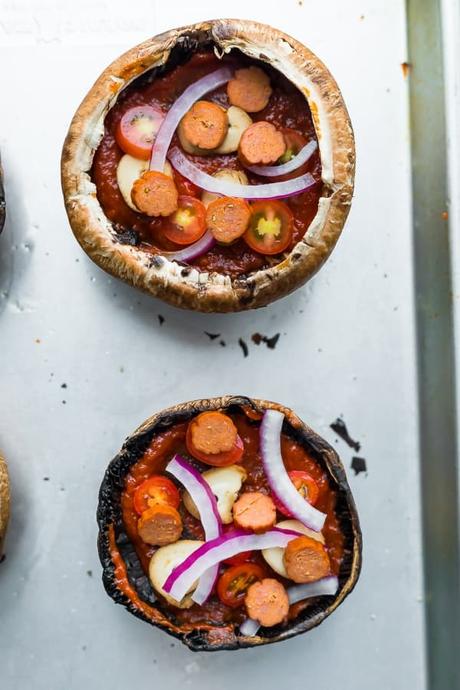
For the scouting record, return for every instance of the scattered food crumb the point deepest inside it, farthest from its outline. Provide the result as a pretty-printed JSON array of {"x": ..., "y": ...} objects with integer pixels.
[
  {"x": 37, "y": 340},
  {"x": 77, "y": 260},
  {"x": 258, "y": 338},
  {"x": 243, "y": 346},
  {"x": 212, "y": 336},
  {"x": 63, "y": 385},
  {"x": 358, "y": 465},
  {"x": 161, "y": 319},
  {"x": 89, "y": 573},
  {"x": 46, "y": 479},
  {"x": 84, "y": 646},
  {"x": 406, "y": 68},
  {"x": 362, "y": 17},
  {"x": 122, "y": 369},
  {"x": 64, "y": 402},
  {"x": 341, "y": 430},
  {"x": 222, "y": 342},
  {"x": 445, "y": 215},
  {"x": 61, "y": 488},
  {"x": 3, "y": 557}
]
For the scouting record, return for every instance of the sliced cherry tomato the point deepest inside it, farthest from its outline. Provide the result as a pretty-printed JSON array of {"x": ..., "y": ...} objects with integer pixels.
[
  {"x": 156, "y": 490},
  {"x": 294, "y": 142},
  {"x": 188, "y": 223},
  {"x": 137, "y": 130},
  {"x": 305, "y": 485},
  {"x": 270, "y": 228},
  {"x": 234, "y": 583}
]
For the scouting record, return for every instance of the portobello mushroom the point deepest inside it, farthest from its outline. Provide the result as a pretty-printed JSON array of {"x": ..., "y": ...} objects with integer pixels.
[
  {"x": 125, "y": 567},
  {"x": 2, "y": 199},
  {"x": 211, "y": 286},
  {"x": 4, "y": 501}
]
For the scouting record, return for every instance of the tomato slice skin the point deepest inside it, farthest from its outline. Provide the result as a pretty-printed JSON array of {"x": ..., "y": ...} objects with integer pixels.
[
  {"x": 188, "y": 223},
  {"x": 153, "y": 491},
  {"x": 294, "y": 143},
  {"x": 234, "y": 583},
  {"x": 137, "y": 129},
  {"x": 230, "y": 457},
  {"x": 270, "y": 228},
  {"x": 306, "y": 487}
]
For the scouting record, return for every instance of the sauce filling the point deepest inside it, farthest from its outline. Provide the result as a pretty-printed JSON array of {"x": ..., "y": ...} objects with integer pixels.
[
  {"x": 286, "y": 108},
  {"x": 154, "y": 461}
]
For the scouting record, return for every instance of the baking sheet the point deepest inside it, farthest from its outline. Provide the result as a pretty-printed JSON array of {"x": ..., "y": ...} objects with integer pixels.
[{"x": 85, "y": 359}]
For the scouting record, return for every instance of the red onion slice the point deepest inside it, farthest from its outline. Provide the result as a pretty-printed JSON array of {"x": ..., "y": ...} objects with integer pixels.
[
  {"x": 249, "y": 627},
  {"x": 206, "y": 504},
  {"x": 302, "y": 157},
  {"x": 177, "y": 111},
  {"x": 194, "y": 250},
  {"x": 278, "y": 478},
  {"x": 213, "y": 552},
  {"x": 326, "y": 586},
  {"x": 272, "y": 190}
]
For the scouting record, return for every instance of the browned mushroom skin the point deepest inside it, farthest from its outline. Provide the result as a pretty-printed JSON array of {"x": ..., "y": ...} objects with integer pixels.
[
  {"x": 2, "y": 199},
  {"x": 4, "y": 501},
  {"x": 148, "y": 607},
  {"x": 168, "y": 280}
]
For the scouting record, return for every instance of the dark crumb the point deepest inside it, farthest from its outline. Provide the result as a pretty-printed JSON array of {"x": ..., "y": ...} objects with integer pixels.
[
  {"x": 52, "y": 374},
  {"x": 155, "y": 661},
  {"x": 257, "y": 338},
  {"x": 46, "y": 479},
  {"x": 222, "y": 342},
  {"x": 172, "y": 645},
  {"x": 271, "y": 342},
  {"x": 243, "y": 346},
  {"x": 130, "y": 237},
  {"x": 341, "y": 430},
  {"x": 77, "y": 260},
  {"x": 63, "y": 385},
  {"x": 406, "y": 68},
  {"x": 212, "y": 336},
  {"x": 161, "y": 319},
  {"x": 61, "y": 488},
  {"x": 358, "y": 465},
  {"x": 64, "y": 402},
  {"x": 89, "y": 573},
  {"x": 3, "y": 557},
  {"x": 84, "y": 648}
]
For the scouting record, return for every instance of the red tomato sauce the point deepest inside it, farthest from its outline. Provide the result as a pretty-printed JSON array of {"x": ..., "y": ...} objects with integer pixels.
[
  {"x": 287, "y": 108},
  {"x": 295, "y": 456}
]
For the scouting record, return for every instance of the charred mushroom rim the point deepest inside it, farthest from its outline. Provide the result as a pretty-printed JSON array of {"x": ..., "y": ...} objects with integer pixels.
[
  {"x": 219, "y": 622},
  {"x": 4, "y": 501},
  {"x": 317, "y": 215},
  {"x": 2, "y": 199}
]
